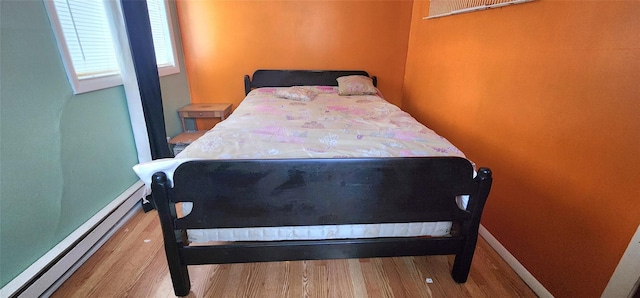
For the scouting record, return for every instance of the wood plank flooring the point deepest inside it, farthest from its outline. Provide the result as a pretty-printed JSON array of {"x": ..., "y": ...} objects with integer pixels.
[{"x": 132, "y": 264}]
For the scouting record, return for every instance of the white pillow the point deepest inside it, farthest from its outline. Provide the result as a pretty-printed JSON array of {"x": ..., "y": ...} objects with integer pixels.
[
  {"x": 296, "y": 93},
  {"x": 356, "y": 85}
]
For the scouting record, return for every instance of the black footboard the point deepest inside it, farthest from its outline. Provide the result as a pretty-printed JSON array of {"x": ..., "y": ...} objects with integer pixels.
[{"x": 305, "y": 192}]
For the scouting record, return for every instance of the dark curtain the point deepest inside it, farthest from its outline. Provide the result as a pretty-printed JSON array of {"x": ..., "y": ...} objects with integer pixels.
[{"x": 136, "y": 18}]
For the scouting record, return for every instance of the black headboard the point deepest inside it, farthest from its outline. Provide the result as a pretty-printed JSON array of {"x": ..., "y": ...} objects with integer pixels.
[{"x": 286, "y": 78}]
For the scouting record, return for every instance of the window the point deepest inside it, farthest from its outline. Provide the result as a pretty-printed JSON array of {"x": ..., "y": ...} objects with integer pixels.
[
  {"x": 442, "y": 8},
  {"x": 162, "y": 30},
  {"x": 85, "y": 41}
]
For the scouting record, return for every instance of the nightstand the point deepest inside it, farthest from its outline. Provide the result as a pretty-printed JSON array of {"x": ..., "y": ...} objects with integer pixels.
[
  {"x": 181, "y": 141},
  {"x": 204, "y": 110}
]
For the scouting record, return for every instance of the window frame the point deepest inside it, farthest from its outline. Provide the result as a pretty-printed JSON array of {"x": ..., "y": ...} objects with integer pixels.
[{"x": 97, "y": 83}]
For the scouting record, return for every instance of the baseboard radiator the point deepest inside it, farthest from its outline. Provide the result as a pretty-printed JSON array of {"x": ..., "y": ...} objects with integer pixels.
[{"x": 46, "y": 275}]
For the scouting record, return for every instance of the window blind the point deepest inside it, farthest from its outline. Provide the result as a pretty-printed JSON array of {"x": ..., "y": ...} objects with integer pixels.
[
  {"x": 441, "y": 8},
  {"x": 88, "y": 38},
  {"x": 161, "y": 34}
]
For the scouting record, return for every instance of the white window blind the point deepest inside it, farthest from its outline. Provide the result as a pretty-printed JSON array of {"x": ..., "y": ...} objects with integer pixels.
[
  {"x": 441, "y": 8},
  {"x": 162, "y": 39},
  {"x": 88, "y": 38},
  {"x": 85, "y": 41}
]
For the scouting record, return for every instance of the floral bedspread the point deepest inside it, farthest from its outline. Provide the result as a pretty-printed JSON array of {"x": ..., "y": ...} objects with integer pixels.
[{"x": 328, "y": 126}]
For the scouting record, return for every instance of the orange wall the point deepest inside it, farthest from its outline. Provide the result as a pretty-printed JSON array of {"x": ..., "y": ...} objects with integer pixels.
[
  {"x": 547, "y": 94},
  {"x": 224, "y": 40}
]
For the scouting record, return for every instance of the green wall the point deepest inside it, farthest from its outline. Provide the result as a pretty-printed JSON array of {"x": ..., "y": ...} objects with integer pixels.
[{"x": 63, "y": 157}]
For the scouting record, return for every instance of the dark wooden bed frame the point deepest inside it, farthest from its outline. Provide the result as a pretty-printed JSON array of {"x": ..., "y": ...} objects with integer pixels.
[
  {"x": 305, "y": 192},
  {"x": 286, "y": 78}
]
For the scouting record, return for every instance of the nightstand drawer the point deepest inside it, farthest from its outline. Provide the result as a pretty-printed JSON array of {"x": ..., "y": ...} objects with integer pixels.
[{"x": 215, "y": 114}]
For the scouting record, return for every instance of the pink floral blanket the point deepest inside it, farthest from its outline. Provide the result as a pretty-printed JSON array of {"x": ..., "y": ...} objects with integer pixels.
[{"x": 328, "y": 126}]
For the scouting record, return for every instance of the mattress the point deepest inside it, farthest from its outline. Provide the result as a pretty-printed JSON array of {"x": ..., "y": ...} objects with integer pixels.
[{"x": 265, "y": 126}]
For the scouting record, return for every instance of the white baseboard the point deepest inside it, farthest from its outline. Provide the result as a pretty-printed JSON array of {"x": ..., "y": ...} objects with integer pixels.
[
  {"x": 44, "y": 276},
  {"x": 626, "y": 278},
  {"x": 526, "y": 276}
]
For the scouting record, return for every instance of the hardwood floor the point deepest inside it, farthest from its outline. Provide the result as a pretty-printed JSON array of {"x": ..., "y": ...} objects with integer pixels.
[{"x": 132, "y": 264}]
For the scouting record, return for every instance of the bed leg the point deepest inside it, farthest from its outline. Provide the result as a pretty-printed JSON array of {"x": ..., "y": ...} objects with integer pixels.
[
  {"x": 166, "y": 212},
  {"x": 179, "y": 277},
  {"x": 462, "y": 262}
]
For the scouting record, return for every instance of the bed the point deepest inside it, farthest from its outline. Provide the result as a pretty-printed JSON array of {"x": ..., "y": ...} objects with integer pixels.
[{"x": 316, "y": 165}]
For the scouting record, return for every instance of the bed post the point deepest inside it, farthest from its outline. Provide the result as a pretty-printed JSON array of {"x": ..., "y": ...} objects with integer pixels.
[
  {"x": 462, "y": 263},
  {"x": 247, "y": 85},
  {"x": 160, "y": 188}
]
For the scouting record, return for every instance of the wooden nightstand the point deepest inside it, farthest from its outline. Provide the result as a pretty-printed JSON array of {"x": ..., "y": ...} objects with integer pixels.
[
  {"x": 181, "y": 141},
  {"x": 204, "y": 110}
]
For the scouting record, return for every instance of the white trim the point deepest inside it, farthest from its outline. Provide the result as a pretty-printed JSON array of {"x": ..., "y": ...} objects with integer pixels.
[
  {"x": 168, "y": 70},
  {"x": 624, "y": 280},
  {"x": 109, "y": 227},
  {"x": 76, "y": 247},
  {"x": 130, "y": 80},
  {"x": 526, "y": 276},
  {"x": 94, "y": 84}
]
